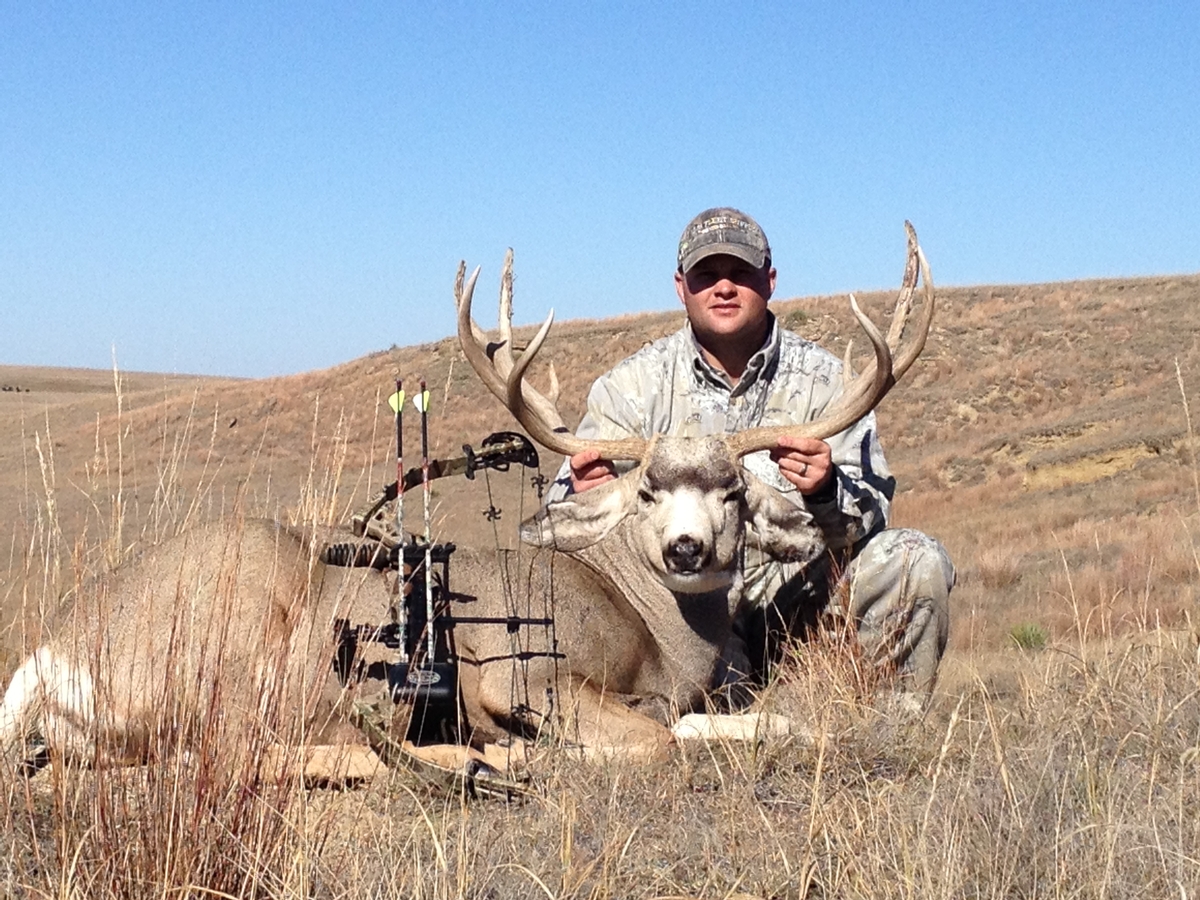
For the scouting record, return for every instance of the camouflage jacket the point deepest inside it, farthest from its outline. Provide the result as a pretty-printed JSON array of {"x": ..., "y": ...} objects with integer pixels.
[{"x": 668, "y": 387}]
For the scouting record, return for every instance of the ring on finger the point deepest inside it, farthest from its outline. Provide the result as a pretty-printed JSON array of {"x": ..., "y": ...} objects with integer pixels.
[{"x": 804, "y": 471}]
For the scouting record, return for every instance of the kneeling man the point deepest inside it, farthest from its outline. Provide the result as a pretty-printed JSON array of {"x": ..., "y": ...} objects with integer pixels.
[{"x": 732, "y": 367}]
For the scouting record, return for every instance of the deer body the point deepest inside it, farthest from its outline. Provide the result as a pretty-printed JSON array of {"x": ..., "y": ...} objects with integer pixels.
[
  {"x": 643, "y": 580},
  {"x": 235, "y": 620},
  {"x": 652, "y": 650}
]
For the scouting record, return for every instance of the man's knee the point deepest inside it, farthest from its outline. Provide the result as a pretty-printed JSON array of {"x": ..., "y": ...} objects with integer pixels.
[
  {"x": 898, "y": 597},
  {"x": 900, "y": 589},
  {"x": 906, "y": 561}
]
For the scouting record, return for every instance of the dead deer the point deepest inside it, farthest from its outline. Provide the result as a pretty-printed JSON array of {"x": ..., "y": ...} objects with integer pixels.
[{"x": 234, "y": 621}]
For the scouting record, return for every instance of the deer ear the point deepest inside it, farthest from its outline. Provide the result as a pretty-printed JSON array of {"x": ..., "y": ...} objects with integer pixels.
[
  {"x": 581, "y": 519},
  {"x": 781, "y": 528}
]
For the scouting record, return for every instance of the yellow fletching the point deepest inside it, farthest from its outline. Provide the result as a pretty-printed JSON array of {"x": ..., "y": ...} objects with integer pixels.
[
  {"x": 396, "y": 401},
  {"x": 421, "y": 401}
]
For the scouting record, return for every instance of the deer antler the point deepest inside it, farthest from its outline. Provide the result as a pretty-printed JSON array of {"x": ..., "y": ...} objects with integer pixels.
[
  {"x": 504, "y": 374},
  {"x": 862, "y": 394}
]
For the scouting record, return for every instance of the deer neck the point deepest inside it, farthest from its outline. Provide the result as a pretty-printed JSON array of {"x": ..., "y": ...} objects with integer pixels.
[{"x": 691, "y": 629}]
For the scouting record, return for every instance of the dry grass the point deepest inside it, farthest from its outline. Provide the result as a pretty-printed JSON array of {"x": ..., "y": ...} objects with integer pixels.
[
  {"x": 1071, "y": 774},
  {"x": 999, "y": 567},
  {"x": 1071, "y": 771},
  {"x": 218, "y": 810}
]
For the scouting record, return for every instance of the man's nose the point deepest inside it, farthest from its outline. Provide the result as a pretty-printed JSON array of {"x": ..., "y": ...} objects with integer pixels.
[{"x": 724, "y": 288}]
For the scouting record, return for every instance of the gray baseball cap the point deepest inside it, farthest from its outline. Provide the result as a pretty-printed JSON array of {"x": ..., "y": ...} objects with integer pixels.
[{"x": 723, "y": 230}]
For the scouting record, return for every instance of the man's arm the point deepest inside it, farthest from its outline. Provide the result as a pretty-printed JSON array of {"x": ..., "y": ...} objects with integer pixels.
[
  {"x": 849, "y": 492},
  {"x": 856, "y": 499},
  {"x": 610, "y": 416}
]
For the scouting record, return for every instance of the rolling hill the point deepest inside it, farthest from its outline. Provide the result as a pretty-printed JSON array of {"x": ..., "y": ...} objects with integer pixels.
[{"x": 1043, "y": 437}]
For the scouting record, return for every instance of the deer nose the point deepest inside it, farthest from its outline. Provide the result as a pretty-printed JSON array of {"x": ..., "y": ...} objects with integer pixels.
[{"x": 684, "y": 554}]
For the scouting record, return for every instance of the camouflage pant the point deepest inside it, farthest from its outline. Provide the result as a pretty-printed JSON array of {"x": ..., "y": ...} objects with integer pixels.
[{"x": 895, "y": 590}]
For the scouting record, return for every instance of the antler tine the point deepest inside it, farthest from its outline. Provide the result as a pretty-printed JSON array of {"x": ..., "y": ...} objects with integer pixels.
[
  {"x": 460, "y": 292},
  {"x": 876, "y": 379},
  {"x": 908, "y": 285},
  {"x": 557, "y": 437},
  {"x": 553, "y": 435},
  {"x": 913, "y": 350},
  {"x": 505, "y": 377},
  {"x": 859, "y": 398},
  {"x": 902, "y": 310},
  {"x": 478, "y": 351},
  {"x": 900, "y": 314},
  {"x": 863, "y": 393},
  {"x": 502, "y": 351},
  {"x": 471, "y": 337}
]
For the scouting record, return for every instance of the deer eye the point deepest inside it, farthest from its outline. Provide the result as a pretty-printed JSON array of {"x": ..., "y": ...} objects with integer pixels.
[{"x": 645, "y": 496}]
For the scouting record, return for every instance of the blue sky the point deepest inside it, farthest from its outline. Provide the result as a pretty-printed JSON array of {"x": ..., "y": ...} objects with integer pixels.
[{"x": 247, "y": 189}]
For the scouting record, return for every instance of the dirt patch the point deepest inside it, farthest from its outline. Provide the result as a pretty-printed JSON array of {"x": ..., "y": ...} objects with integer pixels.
[{"x": 1089, "y": 468}]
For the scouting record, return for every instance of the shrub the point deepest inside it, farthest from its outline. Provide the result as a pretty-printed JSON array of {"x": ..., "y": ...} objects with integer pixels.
[
  {"x": 1029, "y": 636},
  {"x": 795, "y": 318}
]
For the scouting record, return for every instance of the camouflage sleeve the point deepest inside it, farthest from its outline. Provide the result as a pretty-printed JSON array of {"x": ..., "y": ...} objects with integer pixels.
[
  {"x": 611, "y": 415},
  {"x": 857, "y": 505},
  {"x": 864, "y": 489}
]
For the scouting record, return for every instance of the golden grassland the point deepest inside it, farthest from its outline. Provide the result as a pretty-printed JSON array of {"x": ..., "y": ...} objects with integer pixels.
[{"x": 1044, "y": 437}]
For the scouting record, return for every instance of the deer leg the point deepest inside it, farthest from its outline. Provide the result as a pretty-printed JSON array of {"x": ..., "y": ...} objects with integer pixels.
[
  {"x": 740, "y": 727},
  {"x": 605, "y": 728},
  {"x": 566, "y": 711},
  {"x": 22, "y": 707},
  {"x": 51, "y": 699}
]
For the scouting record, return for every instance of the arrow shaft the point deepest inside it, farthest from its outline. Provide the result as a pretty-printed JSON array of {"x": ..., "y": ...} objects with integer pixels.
[{"x": 431, "y": 640}]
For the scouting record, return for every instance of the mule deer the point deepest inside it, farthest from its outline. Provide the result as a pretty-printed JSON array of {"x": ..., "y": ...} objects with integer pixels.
[{"x": 643, "y": 574}]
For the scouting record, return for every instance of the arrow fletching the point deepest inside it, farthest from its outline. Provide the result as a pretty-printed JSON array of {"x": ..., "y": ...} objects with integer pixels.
[
  {"x": 396, "y": 401},
  {"x": 421, "y": 401}
]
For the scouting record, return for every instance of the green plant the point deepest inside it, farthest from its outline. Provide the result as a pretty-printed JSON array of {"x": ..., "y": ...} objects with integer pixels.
[{"x": 1029, "y": 636}]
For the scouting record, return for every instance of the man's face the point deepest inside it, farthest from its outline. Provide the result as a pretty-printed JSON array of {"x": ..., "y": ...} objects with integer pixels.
[{"x": 725, "y": 297}]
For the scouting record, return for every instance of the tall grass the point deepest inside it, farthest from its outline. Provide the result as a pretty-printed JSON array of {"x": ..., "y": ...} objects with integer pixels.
[
  {"x": 220, "y": 809},
  {"x": 1076, "y": 778},
  {"x": 1068, "y": 773}
]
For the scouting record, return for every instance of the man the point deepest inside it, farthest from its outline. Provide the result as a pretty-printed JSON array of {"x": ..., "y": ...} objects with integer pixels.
[{"x": 733, "y": 367}]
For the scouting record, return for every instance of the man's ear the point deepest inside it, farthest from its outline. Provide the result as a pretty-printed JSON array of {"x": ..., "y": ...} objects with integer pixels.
[
  {"x": 780, "y": 527},
  {"x": 679, "y": 284},
  {"x": 581, "y": 520}
]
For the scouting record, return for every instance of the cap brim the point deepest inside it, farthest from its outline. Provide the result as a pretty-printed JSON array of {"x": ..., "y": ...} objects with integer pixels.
[{"x": 756, "y": 258}]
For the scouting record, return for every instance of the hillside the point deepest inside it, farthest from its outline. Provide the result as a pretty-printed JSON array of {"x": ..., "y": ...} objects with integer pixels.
[{"x": 1042, "y": 437}]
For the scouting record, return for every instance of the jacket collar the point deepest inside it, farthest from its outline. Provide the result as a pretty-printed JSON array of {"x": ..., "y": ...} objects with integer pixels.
[{"x": 762, "y": 364}]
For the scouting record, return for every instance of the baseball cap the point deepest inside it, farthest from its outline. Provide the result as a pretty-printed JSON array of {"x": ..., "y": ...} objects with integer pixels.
[{"x": 723, "y": 230}]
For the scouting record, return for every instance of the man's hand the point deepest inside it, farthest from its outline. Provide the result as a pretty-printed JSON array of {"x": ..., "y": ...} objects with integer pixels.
[
  {"x": 805, "y": 462},
  {"x": 588, "y": 470}
]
